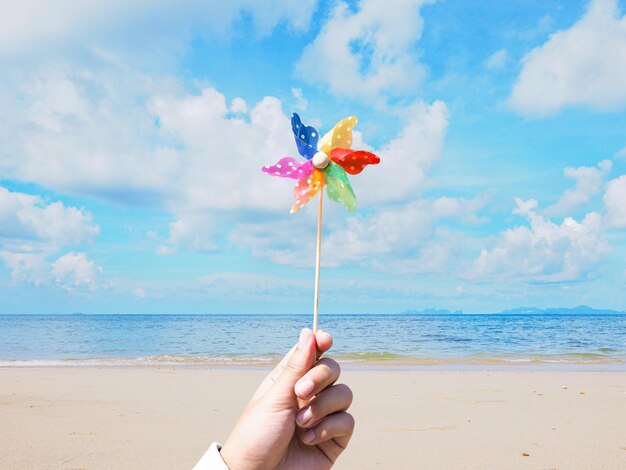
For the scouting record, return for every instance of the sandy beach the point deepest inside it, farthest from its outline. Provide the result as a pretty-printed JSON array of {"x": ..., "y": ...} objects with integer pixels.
[{"x": 164, "y": 418}]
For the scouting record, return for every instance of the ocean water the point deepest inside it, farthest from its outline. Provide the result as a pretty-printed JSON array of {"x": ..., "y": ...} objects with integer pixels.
[{"x": 257, "y": 339}]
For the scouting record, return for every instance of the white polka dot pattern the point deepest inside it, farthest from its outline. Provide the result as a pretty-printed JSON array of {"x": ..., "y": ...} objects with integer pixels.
[
  {"x": 338, "y": 187},
  {"x": 341, "y": 160},
  {"x": 307, "y": 188},
  {"x": 353, "y": 161},
  {"x": 339, "y": 136},
  {"x": 289, "y": 167}
]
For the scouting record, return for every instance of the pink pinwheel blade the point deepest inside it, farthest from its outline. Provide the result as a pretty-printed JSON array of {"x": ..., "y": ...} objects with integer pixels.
[{"x": 289, "y": 167}]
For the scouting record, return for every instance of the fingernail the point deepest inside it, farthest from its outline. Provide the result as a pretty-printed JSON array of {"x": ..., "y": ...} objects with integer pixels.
[
  {"x": 304, "y": 416},
  {"x": 308, "y": 437},
  {"x": 304, "y": 388},
  {"x": 304, "y": 338}
]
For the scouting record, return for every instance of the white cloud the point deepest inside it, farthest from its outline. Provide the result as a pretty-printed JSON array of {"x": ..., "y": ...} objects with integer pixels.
[
  {"x": 132, "y": 140},
  {"x": 615, "y": 202},
  {"x": 30, "y": 268},
  {"x": 405, "y": 160},
  {"x": 192, "y": 155},
  {"x": 544, "y": 251},
  {"x": 194, "y": 230},
  {"x": 621, "y": 154},
  {"x": 407, "y": 238},
  {"x": 301, "y": 102},
  {"x": 583, "y": 65},
  {"x": 28, "y": 220},
  {"x": 81, "y": 132},
  {"x": 73, "y": 271},
  {"x": 589, "y": 182},
  {"x": 497, "y": 60},
  {"x": 32, "y": 230},
  {"x": 30, "y": 24},
  {"x": 238, "y": 105},
  {"x": 367, "y": 52}
]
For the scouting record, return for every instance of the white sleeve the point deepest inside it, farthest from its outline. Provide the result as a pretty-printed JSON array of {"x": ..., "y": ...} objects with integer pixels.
[{"x": 211, "y": 460}]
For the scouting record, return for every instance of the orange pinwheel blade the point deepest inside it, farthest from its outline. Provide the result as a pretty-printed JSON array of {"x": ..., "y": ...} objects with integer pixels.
[{"x": 307, "y": 188}]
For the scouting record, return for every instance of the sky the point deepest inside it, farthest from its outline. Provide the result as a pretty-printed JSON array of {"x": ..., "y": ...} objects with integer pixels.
[{"x": 132, "y": 137}]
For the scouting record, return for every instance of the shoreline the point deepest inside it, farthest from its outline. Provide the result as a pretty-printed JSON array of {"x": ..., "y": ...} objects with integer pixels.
[{"x": 265, "y": 363}]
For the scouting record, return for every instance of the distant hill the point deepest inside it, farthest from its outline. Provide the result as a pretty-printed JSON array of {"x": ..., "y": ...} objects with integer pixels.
[{"x": 580, "y": 310}]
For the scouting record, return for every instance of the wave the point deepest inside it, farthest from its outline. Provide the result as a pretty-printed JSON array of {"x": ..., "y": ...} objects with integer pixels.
[{"x": 382, "y": 358}]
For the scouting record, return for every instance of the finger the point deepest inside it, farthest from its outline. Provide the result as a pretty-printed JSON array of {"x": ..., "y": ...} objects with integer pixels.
[
  {"x": 338, "y": 426},
  {"x": 325, "y": 372},
  {"x": 271, "y": 378},
  {"x": 324, "y": 342},
  {"x": 332, "y": 400},
  {"x": 298, "y": 364}
]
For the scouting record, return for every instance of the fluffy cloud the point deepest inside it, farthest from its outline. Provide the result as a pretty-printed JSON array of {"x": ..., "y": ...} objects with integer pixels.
[
  {"x": 191, "y": 155},
  {"x": 136, "y": 141},
  {"x": 583, "y": 65},
  {"x": 28, "y": 220},
  {"x": 74, "y": 271},
  {"x": 615, "y": 202},
  {"x": 31, "y": 231},
  {"x": 544, "y": 251},
  {"x": 406, "y": 159},
  {"x": 408, "y": 238},
  {"x": 80, "y": 132},
  {"x": 30, "y": 24},
  {"x": 368, "y": 51},
  {"x": 30, "y": 268},
  {"x": 588, "y": 182}
]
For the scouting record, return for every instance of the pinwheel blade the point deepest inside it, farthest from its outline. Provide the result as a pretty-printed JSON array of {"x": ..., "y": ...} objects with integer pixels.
[
  {"x": 289, "y": 167},
  {"x": 338, "y": 187},
  {"x": 339, "y": 136},
  {"x": 306, "y": 137},
  {"x": 307, "y": 188},
  {"x": 353, "y": 161}
]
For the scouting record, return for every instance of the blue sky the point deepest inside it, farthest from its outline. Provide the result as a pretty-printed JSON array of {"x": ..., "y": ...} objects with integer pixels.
[{"x": 131, "y": 141}]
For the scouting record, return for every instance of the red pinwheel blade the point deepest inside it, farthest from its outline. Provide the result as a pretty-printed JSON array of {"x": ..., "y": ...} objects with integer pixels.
[{"x": 353, "y": 161}]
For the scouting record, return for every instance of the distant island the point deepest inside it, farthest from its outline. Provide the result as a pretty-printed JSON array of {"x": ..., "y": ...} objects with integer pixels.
[{"x": 580, "y": 310}]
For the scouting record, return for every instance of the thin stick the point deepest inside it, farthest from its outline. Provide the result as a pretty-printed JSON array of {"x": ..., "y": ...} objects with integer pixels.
[{"x": 317, "y": 262}]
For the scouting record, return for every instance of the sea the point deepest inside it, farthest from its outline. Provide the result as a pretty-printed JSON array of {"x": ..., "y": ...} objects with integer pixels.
[{"x": 415, "y": 341}]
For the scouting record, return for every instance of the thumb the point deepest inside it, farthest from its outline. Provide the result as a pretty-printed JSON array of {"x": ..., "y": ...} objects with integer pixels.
[{"x": 299, "y": 363}]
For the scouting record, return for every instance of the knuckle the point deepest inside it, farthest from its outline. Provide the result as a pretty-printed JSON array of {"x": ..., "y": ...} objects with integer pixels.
[
  {"x": 349, "y": 420},
  {"x": 331, "y": 365},
  {"x": 346, "y": 392}
]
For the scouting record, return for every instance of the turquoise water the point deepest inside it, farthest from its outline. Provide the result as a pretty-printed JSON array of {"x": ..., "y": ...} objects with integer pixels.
[{"x": 410, "y": 339}]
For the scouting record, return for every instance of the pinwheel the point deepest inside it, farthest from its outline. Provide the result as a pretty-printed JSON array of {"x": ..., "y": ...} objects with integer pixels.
[{"x": 327, "y": 161}]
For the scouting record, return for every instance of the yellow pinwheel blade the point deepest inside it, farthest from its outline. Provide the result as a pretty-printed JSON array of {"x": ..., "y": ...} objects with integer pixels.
[{"x": 339, "y": 136}]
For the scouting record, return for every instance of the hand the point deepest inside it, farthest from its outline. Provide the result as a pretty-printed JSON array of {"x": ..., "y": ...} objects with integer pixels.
[{"x": 297, "y": 418}]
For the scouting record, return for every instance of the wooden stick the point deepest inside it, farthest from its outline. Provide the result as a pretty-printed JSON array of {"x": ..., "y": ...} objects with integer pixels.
[{"x": 317, "y": 262}]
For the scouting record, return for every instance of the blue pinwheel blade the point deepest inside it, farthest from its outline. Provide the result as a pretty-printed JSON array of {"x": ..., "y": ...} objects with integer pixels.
[{"x": 306, "y": 137}]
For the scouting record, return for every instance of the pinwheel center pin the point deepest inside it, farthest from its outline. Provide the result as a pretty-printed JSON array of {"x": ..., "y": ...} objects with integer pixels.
[
  {"x": 327, "y": 161},
  {"x": 320, "y": 160}
]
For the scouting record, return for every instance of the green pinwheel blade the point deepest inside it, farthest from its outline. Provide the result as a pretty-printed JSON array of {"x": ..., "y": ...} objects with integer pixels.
[{"x": 338, "y": 187}]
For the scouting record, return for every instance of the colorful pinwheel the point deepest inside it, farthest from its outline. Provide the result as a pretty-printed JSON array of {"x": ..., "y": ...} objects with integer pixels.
[{"x": 328, "y": 160}]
